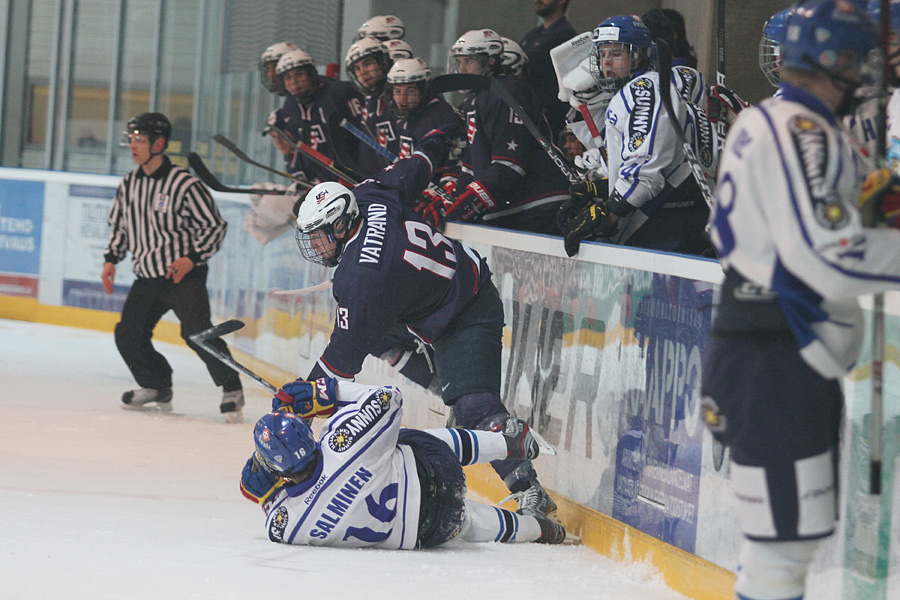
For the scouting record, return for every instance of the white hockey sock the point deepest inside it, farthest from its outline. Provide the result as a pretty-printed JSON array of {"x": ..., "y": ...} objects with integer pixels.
[
  {"x": 773, "y": 570},
  {"x": 485, "y": 523},
  {"x": 472, "y": 446}
]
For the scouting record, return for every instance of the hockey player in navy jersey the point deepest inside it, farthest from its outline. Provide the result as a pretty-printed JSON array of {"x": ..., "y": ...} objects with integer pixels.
[
  {"x": 368, "y": 62},
  {"x": 368, "y": 483},
  {"x": 789, "y": 328},
  {"x": 506, "y": 179},
  {"x": 304, "y": 116},
  {"x": 417, "y": 112},
  {"x": 393, "y": 268}
]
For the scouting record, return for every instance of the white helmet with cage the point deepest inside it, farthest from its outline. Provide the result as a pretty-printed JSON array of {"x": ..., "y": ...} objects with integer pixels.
[
  {"x": 325, "y": 221},
  {"x": 382, "y": 27},
  {"x": 484, "y": 44},
  {"x": 294, "y": 59},
  {"x": 267, "y": 62},
  {"x": 405, "y": 72},
  {"x": 515, "y": 61},
  {"x": 368, "y": 47},
  {"x": 398, "y": 49}
]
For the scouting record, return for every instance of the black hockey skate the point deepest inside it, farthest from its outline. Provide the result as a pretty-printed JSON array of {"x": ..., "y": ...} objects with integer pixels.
[
  {"x": 519, "y": 442},
  {"x": 551, "y": 531},
  {"x": 146, "y": 399}
]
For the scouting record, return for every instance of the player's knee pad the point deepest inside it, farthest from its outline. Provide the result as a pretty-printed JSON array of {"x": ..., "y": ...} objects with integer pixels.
[
  {"x": 773, "y": 570},
  {"x": 785, "y": 501},
  {"x": 477, "y": 411}
]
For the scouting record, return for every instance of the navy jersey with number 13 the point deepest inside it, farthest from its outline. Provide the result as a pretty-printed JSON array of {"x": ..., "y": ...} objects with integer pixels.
[{"x": 396, "y": 269}]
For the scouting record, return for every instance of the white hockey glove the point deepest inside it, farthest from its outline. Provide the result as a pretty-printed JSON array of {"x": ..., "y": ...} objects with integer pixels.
[
  {"x": 592, "y": 164},
  {"x": 270, "y": 215}
]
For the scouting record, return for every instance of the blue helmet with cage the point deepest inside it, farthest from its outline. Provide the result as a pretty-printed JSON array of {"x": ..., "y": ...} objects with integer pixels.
[
  {"x": 631, "y": 35},
  {"x": 284, "y": 443},
  {"x": 833, "y": 36},
  {"x": 770, "y": 45}
]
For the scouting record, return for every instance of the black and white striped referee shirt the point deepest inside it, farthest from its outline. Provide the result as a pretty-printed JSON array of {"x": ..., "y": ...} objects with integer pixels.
[{"x": 162, "y": 217}]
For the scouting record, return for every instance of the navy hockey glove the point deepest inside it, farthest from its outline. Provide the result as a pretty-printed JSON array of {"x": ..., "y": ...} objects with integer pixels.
[
  {"x": 309, "y": 399},
  {"x": 592, "y": 219},
  {"x": 472, "y": 203},
  {"x": 438, "y": 144},
  {"x": 259, "y": 485}
]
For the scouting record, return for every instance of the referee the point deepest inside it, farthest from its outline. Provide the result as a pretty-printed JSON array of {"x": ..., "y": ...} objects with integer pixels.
[{"x": 168, "y": 221}]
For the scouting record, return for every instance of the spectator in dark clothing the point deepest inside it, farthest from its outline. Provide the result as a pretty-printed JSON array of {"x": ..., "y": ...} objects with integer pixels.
[
  {"x": 682, "y": 51},
  {"x": 537, "y": 44}
]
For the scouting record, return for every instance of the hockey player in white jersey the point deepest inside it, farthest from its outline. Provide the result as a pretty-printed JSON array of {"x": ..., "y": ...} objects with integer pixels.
[
  {"x": 653, "y": 199},
  {"x": 788, "y": 327},
  {"x": 368, "y": 483}
]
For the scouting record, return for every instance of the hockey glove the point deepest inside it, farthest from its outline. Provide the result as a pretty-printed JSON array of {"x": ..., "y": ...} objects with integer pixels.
[
  {"x": 882, "y": 188},
  {"x": 723, "y": 103},
  {"x": 591, "y": 220},
  {"x": 259, "y": 485},
  {"x": 472, "y": 203},
  {"x": 438, "y": 143},
  {"x": 310, "y": 398},
  {"x": 431, "y": 210},
  {"x": 590, "y": 189}
]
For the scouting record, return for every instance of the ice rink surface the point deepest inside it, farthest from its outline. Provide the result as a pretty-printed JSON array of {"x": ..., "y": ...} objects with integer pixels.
[{"x": 97, "y": 502}]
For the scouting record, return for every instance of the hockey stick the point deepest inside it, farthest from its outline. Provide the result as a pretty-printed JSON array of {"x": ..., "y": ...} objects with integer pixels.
[
  {"x": 457, "y": 82},
  {"x": 368, "y": 141},
  {"x": 341, "y": 156},
  {"x": 232, "y": 147},
  {"x": 204, "y": 174},
  {"x": 320, "y": 159},
  {"x": 720, "y": 63},
  {"x": 876, "y": 423},
  {"x": 225, "y": 328},
  {"x": 665, "y": 95},
  {"x": 307, "y": 290}
]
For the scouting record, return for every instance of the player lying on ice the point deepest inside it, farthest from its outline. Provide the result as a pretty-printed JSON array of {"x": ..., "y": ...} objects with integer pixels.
[{"x": 368, "y": 483}]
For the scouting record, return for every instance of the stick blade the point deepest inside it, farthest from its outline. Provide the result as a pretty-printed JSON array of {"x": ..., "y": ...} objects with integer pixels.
[
  {"x": 546, "y": 448},
  {"x": 219, "y": 330}
]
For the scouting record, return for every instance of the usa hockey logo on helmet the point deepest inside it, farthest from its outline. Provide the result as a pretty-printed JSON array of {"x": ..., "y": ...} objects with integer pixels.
[
  {"x": 398, "y": 50},
  {"x": 827, "y": 35},
  {"x": 382, "y": 27}
]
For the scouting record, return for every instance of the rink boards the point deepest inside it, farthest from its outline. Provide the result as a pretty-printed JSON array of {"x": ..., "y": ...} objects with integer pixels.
[{"x": 601, "y": 355}]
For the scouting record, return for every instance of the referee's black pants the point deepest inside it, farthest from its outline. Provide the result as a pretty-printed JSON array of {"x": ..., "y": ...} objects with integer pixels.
[{"x": 148, "y": 300}]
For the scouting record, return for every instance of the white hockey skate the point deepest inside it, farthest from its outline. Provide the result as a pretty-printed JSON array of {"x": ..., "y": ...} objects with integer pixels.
[{"x": 148, "y": 400}]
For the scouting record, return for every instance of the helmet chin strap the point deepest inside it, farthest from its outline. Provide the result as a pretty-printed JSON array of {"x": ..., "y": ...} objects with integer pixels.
[{"x": 152, "y": 154}]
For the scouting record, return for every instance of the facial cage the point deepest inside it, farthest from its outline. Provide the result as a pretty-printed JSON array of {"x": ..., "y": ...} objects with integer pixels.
[
  {"x": 770, "y": 60},
  {"x": 606, "y": 83}
]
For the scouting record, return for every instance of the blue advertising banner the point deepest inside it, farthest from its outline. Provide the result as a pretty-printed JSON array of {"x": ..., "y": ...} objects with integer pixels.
[{"x": 21, "y": 216}]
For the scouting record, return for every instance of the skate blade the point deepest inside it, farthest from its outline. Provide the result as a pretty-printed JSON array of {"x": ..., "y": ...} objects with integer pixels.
[
  {"x": 571, "y": 540},
  {"x": 546, "y": 448},
  {"x": 155, "y": 407}
]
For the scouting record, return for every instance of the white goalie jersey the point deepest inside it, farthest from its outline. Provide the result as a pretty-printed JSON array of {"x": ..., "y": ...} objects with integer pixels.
[
  {"x": 365, "y": 492},
  {"x": 786, "y": 219}
]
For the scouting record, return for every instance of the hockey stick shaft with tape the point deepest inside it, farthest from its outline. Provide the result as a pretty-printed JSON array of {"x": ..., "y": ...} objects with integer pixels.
[
  {"x": 217, "y": 331},
  {"x": 240, "y": 154},
  {"x": 205, "y": 175}
]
